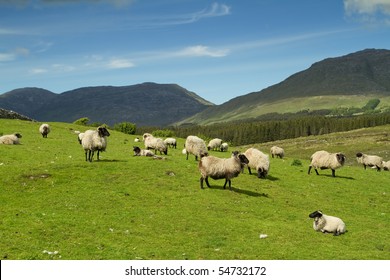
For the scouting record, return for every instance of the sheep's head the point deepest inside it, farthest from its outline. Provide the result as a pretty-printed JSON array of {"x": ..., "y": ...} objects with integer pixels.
[
  {"x": 316, "y": 214},
  {"x": 243, "y": 159},
  {"x": 103, "y": 131},
  {"x": 261, "y": 172},
  {"x": 359, "y": 154},
  {"x": 341, "y": 158},
  {"x": 136, "y": 150},
  {"x": 18, "y": 135}
]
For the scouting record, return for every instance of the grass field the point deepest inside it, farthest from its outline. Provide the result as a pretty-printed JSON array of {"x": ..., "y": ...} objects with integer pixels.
[{"x": 55, "y": 205}]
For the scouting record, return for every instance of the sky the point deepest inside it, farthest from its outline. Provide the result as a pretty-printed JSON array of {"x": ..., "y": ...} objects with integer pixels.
[{"x": 218, "y": 49}]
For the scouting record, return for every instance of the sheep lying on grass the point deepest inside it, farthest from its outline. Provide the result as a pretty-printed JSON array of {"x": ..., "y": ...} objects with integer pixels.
[
  {"x": 195, "y": 146},
  {"x": 221, "y": 168},
  {"x": 325, "y": 160},
  {"x": 44, "y": 129},
  {"x": 10, "y": 139},
  {"x": 277, "y": 151},
  {"x": 325, "y": 223},
  {"x": 94, "y": 140},
  {"x": 386, "y": 165},
  {"x": 139, "y": 152},
  {"x": 371, "y": 161},
  {"x": 259, "y": 161}
]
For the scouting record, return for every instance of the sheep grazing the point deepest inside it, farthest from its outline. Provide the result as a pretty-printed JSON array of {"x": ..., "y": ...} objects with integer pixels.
[
  {"x": 386, "y": 165},
  {"x": 157, "y": 144},
  {"x": 195, "y": 146},
  {"x": 327, "y": 224},
  {"x": 221, "y": 168},
  {"x": 325, "y": 160},
  {"x": 170, "y": 142},
  {"x": 44, "y": 129},
  {"x": 139, "y": 152},
  {"x": 259, "y": 161},
  {"x": 276, "y": 151},
  {"x": 94, "y": 140},
  {"x": 224, "y": 147},
  {"x": 371, "y": 161},
  {"x": 10, "y": 139},
  {"x": 214, "y": 144}
]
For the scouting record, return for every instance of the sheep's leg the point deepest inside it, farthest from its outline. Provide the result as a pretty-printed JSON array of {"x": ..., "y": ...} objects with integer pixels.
[
  {"x": 207, "y": 181},
  {"x": 90, "y": 157},
  {"x": 98, "y": 155},
  {"x": 86, "y": 155},
  {"x": 378, "y": 168},
  {"x": 201, "y": 182},
  {"x": 308, "y": 172},
  {"x": 365, "y": 167},
  {"x": 249, "y": 170},
  {"x": 315, "y": 169},
  {"x": 224, "y": 186},
  {"x": 333, "y": 173}
]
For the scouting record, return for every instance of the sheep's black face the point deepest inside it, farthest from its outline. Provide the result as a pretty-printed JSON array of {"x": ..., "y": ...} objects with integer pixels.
[
  {"x": 316, "y": 214},
  {"x": 103, "y": 132},
  {"x": 359, "y": 155},
  {"x": 243, "y": 159},
  {"x": 341, "y": 158},
  {"x": 136, "y": 150},
  {"x": 18, "y": 135}
]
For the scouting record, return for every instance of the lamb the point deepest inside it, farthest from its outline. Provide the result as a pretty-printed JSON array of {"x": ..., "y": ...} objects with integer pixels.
[
  {"x": 44, "y": 129},
  {"x": 325, "y": 223},
  {"x": 170, "y": 142},
  {"x": 10, "y": 139},
  {"x": 325, "y": 160},
  {"x": 157, "y": 144},
  {"x": 136, "y": 139},
  {"x": 219, "y": 168},
  {"x": 277, "y": 151},
  {"x": 371, "y": 161},
  {"x": 214, "y": 144},
  {"x": 196, "y": 146},
  {"x": 139, "y": 152},
  {"x": 94, "y": 140},
  {"x": 224, "y": 147},
  {"x": 259, "y": 161},
  {"x": 386, "y": 165}
]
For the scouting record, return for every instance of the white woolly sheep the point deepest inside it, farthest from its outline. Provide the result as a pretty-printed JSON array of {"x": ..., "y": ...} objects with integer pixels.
[
  {"x": 140, "y": 152},
  {"x": 10, "y": 139},
  {"x": 214, "y": 144},
  {"x": 371, "y": 161},
  {"x": 136, "y": 139},
  {"x": 80, "y": 136},
  {"x": 157, "y": 144},
  {"x": 195, "y": 146},
  {"x": 325, "y": 160},
  {"x": 94, "y": 140},
  {"x": 277, "y": 151},
  {"x": 44, "y": 129},
  {"x": 327, "y": 224},
  {"x": 224, "y": 147},
  {"x": 259, "y": 161},
  {"x": 386, "y": 165},
  {"x": 221, "y": 168},
  {"x": 170, "y": 142}
]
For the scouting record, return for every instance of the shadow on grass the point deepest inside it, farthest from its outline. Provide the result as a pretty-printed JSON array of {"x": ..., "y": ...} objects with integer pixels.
[
  {"x": 109, "y": 160},
  {"x": 268, "y": 177},
  {"x": 240, "y": 191},
  {"x": 330, "y": 176}
]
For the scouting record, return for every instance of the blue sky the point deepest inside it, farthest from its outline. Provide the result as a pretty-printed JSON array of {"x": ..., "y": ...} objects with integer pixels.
[{"x": 218, "y": 49}]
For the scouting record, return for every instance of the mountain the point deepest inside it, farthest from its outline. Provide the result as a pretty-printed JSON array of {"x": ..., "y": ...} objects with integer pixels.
[
  {"x": 349, "y": 80},
  {"x": 147, "y": 104}
]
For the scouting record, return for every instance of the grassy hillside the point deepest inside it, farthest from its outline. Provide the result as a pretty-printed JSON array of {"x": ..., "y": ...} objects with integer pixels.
[{"x": 54, "y": 205}]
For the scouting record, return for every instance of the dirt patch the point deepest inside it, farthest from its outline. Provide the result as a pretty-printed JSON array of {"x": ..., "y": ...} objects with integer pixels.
[{"x": 37, "y": 176}]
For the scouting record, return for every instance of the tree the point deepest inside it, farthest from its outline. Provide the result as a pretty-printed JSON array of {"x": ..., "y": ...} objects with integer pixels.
[{"x": 125, "y": 127}]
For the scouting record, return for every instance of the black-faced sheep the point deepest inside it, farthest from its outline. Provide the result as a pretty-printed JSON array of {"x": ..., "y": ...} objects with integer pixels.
[
  {"x": 386, "y": 165},
  {"x": 259, "y": 161},
  {"x": 327, "y": 224},
  {"x": 371, "y": 161},
  {"x": 325, "y": 160},
  {"x": 221, "y": 168},
  {"x": 171, "y": 142},
  {"x": 224, "y": 147},
  {"x": 214, "y": 144},
  {"x": 139, "y": 152},
  {"x": 94, "y": 140},
  {"x": 276, "y": 151},
  {"x": 195, "y": 146},
  {"x": 157, "y": 144},
  {"x": 44, "y": 129},
  {"x": 10, "y": 139}
]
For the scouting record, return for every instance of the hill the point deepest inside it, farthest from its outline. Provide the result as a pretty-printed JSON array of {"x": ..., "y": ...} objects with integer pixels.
[
  {"x": 147, "y": 104},
  {"x": 346, "y": 81}
]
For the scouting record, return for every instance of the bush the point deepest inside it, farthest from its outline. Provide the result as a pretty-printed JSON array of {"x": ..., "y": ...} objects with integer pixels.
[
  {"x": 296, "y": 162},
  {"x": 126, "y": 127},
  {"x": 163, "y": 133},
  {"x": 82, "y": 121}
]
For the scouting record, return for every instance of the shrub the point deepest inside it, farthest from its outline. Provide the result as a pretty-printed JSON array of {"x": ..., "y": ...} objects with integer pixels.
[
  {"x": 125, "y": 127},
  {"x": 163, "y": 133},
  {"x": 82, "y": 121}
]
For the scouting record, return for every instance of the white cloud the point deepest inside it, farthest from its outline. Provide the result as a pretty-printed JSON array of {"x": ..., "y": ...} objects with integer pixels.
[
  {"x": 373, "y": 11},
  {"x": 7, "y": 57},
  {"x": 200, "y": 50},
  {"x": 120, "y": 63},
  {"x": 37, "y": 71}
]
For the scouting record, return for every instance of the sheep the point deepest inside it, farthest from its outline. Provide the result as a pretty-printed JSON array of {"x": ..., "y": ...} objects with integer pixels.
[
  {"x": 196, "y": 146},
  {"x": 170, "y": 142},
  {"x": 80, "y": 136},
  {"x": 10, "y": 139},
  {"x": 44, "y": 129},
  {"x": 139, "y": 152},
  {"x": 224, "y": 147},
  {"x": 94, "y": 140},
  {"x": 136, "y": 139},
  {"x": 214, "y": 144},
  {"x": 157, "y": 144},
  {"x": 325, "y": 223},
  {"x": 371, "y": 161},
  {"x": 219, "y": 168},
  {"x": 259, "y": 161},
  {"x": 325, "y": 160},
  {"x": 386, "y": 165},
  {"x": 277, "y": 151}
]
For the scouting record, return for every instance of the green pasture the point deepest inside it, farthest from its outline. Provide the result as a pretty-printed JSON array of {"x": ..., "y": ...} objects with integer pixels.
[{"x": 55, "y": 205}]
